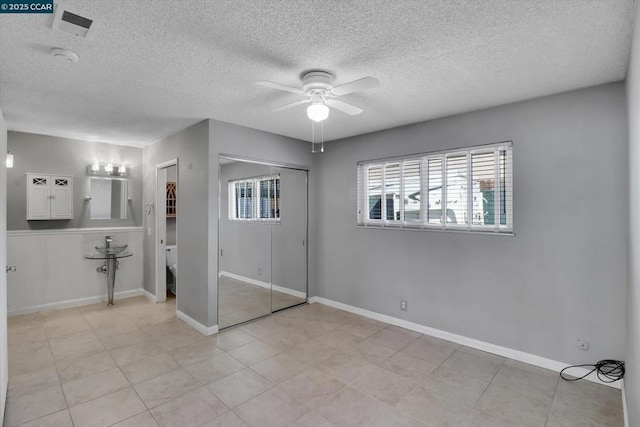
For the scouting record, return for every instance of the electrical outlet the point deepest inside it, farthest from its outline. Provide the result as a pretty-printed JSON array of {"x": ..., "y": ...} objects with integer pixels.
[
  {"x": 259, "y": 271},
  {"x": 583, "y": 345},
  {"x": 403, "y": 305}
]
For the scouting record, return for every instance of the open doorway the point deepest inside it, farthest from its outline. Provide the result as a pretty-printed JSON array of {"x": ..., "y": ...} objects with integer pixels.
[{"x": 166, "y": 231}]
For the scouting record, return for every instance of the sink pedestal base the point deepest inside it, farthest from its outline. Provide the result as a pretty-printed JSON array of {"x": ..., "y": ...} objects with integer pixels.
[{"x": 111, "y": 278}]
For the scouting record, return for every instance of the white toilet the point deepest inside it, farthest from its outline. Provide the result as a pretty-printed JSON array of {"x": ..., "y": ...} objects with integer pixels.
[{"x": 172, "y": 264}]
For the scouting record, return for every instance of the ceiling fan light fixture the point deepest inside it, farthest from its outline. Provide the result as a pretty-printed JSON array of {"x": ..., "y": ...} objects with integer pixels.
[{"x": 317, "y": 112}]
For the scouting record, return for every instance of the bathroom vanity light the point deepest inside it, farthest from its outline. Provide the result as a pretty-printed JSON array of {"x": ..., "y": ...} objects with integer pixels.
[
  {"x": 9, "y": 160},
  {"x": 108, "y": 169}
]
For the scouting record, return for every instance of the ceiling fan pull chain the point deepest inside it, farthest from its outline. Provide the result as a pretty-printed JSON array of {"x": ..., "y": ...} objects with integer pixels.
[
  {"x": 322, "y": 136},
  {"x": 313, "y": 136}
]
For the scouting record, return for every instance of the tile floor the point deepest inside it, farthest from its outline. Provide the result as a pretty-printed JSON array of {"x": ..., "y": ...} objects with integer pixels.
[
  {"x": 135, "y": 364},
  {"x": 241, "y": 301}
]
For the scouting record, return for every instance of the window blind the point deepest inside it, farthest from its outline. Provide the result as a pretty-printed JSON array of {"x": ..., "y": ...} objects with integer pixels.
[
  {"x": 466, "y": 189},
  {"x": 255, "y": 199}
]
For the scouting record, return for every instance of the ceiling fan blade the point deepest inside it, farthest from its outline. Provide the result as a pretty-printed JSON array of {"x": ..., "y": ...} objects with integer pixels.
[
  {"x": 343, "y": 106},
  {"x": 356, "y": 86},
  {"x": 292, "y": 104},
  {"x": 280, "y": 87}
]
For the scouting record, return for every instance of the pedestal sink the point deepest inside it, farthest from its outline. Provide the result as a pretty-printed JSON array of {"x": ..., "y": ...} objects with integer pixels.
[{"x": 110, "y": 252}]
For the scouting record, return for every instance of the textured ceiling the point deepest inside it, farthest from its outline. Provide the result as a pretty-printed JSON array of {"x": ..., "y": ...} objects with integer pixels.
[{"x": 154, "y": 67}]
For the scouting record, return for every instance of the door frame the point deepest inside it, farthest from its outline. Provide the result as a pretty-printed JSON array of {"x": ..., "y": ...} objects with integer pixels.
[{"x": 160, "y": 241}]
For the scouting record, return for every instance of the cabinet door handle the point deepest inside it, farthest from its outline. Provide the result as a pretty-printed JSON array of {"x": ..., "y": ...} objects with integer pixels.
[{"x": 52, "y": 196}]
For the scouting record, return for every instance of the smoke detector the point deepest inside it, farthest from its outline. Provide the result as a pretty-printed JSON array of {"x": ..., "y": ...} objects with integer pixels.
[
  {"x": 71, "y": 23},
  {"x": 65, "y": 54}
]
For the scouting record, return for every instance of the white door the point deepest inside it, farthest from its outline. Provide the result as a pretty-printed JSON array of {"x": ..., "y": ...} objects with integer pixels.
[
  {"x": 62, "y": 197},
  {"x": 38, "y": 192},
  {"x": 4, "y": 367}
]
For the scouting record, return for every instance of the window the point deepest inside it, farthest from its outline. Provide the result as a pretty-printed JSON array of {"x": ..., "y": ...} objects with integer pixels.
[
  {"x": 255, "y": 199},
  {"x": 466, "y": 189}
]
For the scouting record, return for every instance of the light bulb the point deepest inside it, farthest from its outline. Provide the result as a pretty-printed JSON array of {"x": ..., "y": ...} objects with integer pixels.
[
  {"x": 317, "y": 112},
  {"x": 108, "y": 168},
  {"x": 122, "y": 170},
  {"x": 95, "y": 167},
  {"x": 9, "y": 160}
]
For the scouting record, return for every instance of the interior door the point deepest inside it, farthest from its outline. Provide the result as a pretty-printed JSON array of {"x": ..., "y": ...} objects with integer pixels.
[
  {"x": 289, "y": 241},
  {"x": 4, "y": 367},
  {"x": 161, "y": 234}
]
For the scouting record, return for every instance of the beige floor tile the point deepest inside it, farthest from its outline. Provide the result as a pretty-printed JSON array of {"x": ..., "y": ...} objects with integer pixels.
[
  {"x": 312, "y": 388},
  {"x": 232, "y": 338},
  {"x": 272, "y": 408},
  {"x": 32, "y": 406},
  {"x": 392, "y": 339},
  {"x": 346, "y": 367},
  {"x": 311, "y": 419},
  {"x": 287, "y": 338},
  {"x": 360, "y": 329},
  {"x": 505, "y": 405},
  {"x": 337, "y": 339},
  {"x": 253, "y": 352},
  {"x": 410, "y": 367},
  {"x": 31, "y": 382},
  {"x": 28, "y": 358},
  {"x": 476, "y": 419},
  {"x": 107, "y": 410},
  {"x": 228, "y": 419},
  {"x": 263, "y": 327},
  {"x": 586, "y": 404},
  {"x": 384, "y": 385},
  {"x": 214, "y": 368},
  {"x": 166, "y": 387},
  {"x": 474, "y": 363},
  {"x": 144, "y": 419},
  {"x": 431, "y": 349},
  {"x": 151, "y": 367},
  {"x": 88, "y": 388},
  {"x": 57, "y": 419},
  {"x": 124, "y": 356},
  {"x": 311, "y": 352},
  {"x": 279, "y": 368},
  {"x": 239, "y": 387},
  {"x": 75, "y": 346},
  {"x": 373, "y": 352},
  {"x": 64, "y": 322},
  {"x": 529, "y": 380},
  {"x": 177, "y": 340},
  {"x": 454, "y": 386},
  {"x": 198, "y": 352},
  {"x": 94, "y": 364},
  {"x": 20, "y": 336},
  {"x": 434, "y": 409},
  {"x": 192, "y": 409},
  {"x": 113, "y": 342},
  {"x": 349, "y": 407},
  {"x": 413, "y": 334}
]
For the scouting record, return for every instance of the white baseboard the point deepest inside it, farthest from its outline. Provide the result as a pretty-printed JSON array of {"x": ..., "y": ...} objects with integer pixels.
[
  {"x": 288, "y": 291},
  {"x": 246, "y": 279},
  {"x": 74, "y": 302},
  {"x": 151, "y": 297},
  {"x": 624, "y": 405},
  {"x": 210, "y": 330},
  {"x": 265, "y": 285},
  {"x": 518, "y": 355}
]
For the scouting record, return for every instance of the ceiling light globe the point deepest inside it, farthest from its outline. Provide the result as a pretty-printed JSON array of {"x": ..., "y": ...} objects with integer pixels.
[{"x": 317, "y": 112}]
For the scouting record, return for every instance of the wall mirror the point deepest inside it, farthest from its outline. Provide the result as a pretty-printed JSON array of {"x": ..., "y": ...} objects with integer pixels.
[
  {"x": 108, "y": 198},
  {"x": 262, "y": 240}
]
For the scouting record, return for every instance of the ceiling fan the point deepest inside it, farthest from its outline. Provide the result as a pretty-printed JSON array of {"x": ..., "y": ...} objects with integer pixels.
[{"x": 317, "y": 87}]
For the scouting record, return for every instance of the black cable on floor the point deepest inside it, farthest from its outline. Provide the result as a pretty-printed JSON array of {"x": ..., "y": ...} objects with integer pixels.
[{"x": 608, "y": 371}]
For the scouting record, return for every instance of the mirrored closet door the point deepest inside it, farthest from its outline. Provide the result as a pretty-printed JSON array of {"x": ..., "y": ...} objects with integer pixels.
[{"x": 262, "y": 240}]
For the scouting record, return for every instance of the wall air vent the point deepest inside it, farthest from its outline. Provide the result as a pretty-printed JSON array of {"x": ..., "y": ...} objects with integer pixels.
[{"x": 69, "y": 22}]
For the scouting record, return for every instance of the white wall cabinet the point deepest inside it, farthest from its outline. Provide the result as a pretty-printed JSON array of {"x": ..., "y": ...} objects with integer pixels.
[{"x": 49, "y": 197}]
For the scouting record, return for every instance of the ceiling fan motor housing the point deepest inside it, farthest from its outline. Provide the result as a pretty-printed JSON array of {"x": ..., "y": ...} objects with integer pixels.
[{"x": 317, "y": 81}]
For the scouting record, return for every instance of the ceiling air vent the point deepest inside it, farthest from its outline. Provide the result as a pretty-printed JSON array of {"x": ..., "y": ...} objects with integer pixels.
[{"x": 69, "y": 22}]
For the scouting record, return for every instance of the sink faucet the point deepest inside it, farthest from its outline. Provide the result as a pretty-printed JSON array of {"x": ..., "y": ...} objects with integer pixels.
[{"x": 108, "y": 241}]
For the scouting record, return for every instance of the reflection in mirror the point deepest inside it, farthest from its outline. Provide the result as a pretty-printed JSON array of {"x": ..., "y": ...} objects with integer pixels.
[
  {"x": 289, "y": 241},
  {"x": 108, "y": 198},
  {"x": 244, "y": 284}
]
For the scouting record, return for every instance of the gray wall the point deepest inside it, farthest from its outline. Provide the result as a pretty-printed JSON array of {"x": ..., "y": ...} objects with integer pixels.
[
  {"x": 562, "y": 277},
  {"x": 48, "y": 154},
  {"x": 190, "y": 147},
  {"x": 226, "y": 138},
  {"x": 632, "y": 357}
]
